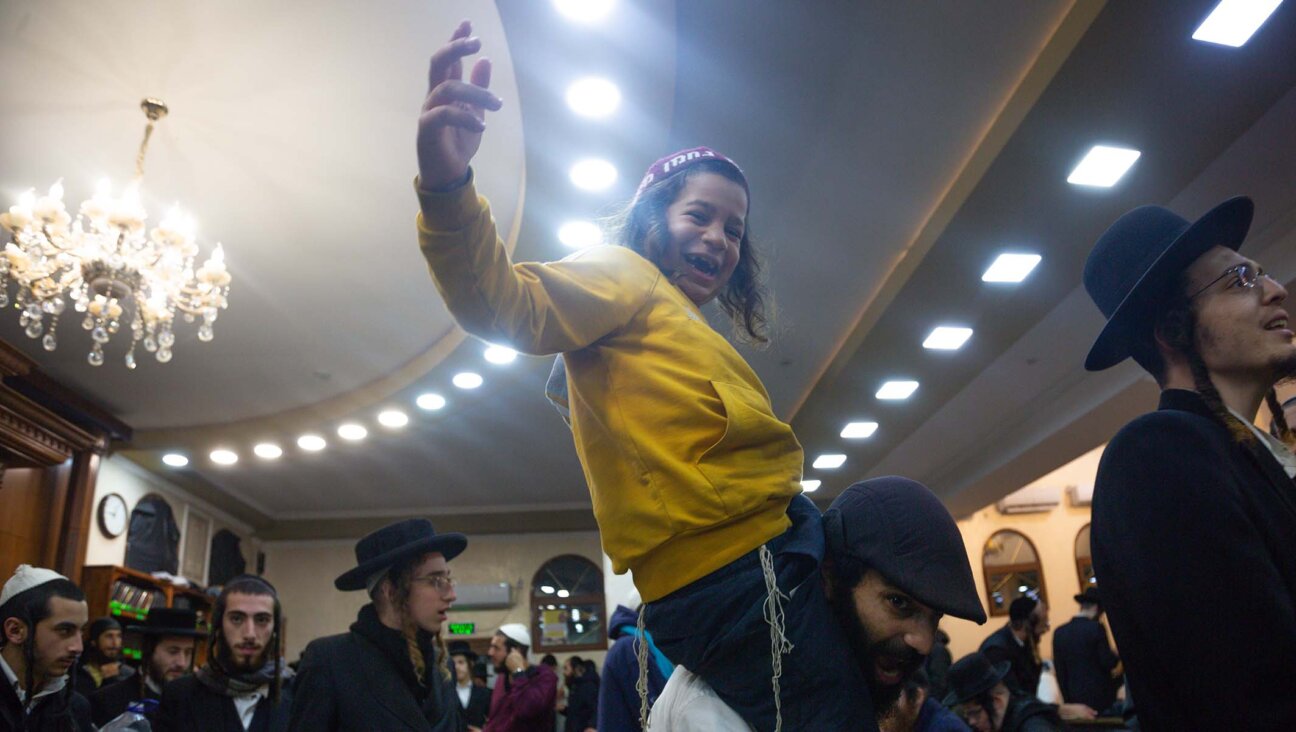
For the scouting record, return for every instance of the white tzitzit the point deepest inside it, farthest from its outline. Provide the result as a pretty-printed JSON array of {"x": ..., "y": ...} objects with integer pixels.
[
  {"x": 641, "y": 655},
  {"x": 779, "y": 644}
]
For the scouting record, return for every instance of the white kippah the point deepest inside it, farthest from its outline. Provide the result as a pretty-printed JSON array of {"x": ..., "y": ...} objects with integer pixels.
[
  {"x": 517, "y": 632},
  {"x": 26, "y": 577}
]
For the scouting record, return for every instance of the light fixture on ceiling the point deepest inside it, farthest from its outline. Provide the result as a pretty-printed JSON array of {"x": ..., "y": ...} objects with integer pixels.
[
  {"x": 499, "y": 354},
  {"x": 430, "y": 402},
  {"x": 947, "y": 338},
  {"x": 352, "y": 431},
  {"x": 224, "y": 457},
  {"x": 810, "y": 486},
  {"x": 564, "y": 593},
  {"x": 1103, "y": 166},
  {"x": 829, "y": 462},
  {"x": 467, "y": 380},
  {"x": 393, "y": 418},
  {"x": 1010, "y": 267},
  {"x": 547, "y": 589},
  {"x": 110, "y": 266},
  {"x": 175, "y": 460},
  {"x": 1233, "y": 22},
  {"x": 859, "y": 430},
  {"x": 580, "y": 234},
  {"x": 896, "y": 390},
  {"x": 593, "y": 174},
  {"x": 584, "y": 11},
  {"x": 268, "y": 451},
  {"x": 311, "y": 443},
  {"x": 593, "y": 97}
]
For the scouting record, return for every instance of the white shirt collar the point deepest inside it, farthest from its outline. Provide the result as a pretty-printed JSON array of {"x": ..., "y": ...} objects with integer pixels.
[
  {"x": 51, "y": 688},
  {"x": 1283, "y": 454}
]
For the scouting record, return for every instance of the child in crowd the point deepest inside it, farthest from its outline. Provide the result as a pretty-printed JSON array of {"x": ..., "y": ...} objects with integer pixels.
[{"x": 695, "y": 482}]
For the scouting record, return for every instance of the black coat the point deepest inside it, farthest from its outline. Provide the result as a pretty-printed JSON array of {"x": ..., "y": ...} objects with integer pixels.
[
  {"x": 479, "y": 699},
  {"x": 1194, "y": 545},
  {"x": 1028, "y": 714},
  {"x": 347, "y": 683},
  {"x": 1084, "y": 661},
  {"x": 85, "y": 683},
  {"x": 1024, "y": 675},
  {"x": 57, "y": 712},
  {"x": 582, "y": 703},
  {"x": 189, "y": 706},
  {"x": 111, "y": 701}
]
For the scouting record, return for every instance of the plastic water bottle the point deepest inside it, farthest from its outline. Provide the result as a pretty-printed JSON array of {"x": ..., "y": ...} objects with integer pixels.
[{"x": 133, "y": 719}]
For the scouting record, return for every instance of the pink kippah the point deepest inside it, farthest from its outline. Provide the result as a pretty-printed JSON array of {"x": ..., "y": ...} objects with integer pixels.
[{"x": 677, "y": 161}]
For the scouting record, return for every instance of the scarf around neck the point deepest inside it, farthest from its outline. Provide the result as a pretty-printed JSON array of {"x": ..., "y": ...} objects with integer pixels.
[{"x": 214, "y": 676}]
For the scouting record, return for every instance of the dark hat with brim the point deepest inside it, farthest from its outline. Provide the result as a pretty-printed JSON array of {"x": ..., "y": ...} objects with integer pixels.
[
  {"x": 901, "y": 529},
  {"x": 1089, "y": 597},
  {"x": 390, "y": 544},
  {"x": 972, "y": 676},
  {"x": 461, "y": 648},
  {"x": 1134, "y": 265},
  {"x": 174, "y": 621}
]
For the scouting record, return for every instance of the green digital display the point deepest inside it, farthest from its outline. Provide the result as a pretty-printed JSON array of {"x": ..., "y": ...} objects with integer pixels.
[{"x": 463, "y": 628}]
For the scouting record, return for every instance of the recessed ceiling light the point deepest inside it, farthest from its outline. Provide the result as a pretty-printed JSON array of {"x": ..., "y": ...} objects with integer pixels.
[
  {"x": 1232, "y": 22},
  {"x": 268, "y": 451},
  {"x": 393, "y": 418},
  {"x": 564, "y": 593},
  {"x": 584, "y": 11},
  {"x": 547, "y": 589},
  {"x": 859, "y": 430},
  {"x": 947, "y": 338},
  {"x": 1102, "y": 166},
  {"x": 810, "y": 486},
  {"x": 430, "y": 402},
  {"x": 593, "y": 174},
  {"x": 500, "y": 354},
  {"x": 311, "y": 443},
  {"x": 580, "y": 234},
  {"x": 593, "y": 97},
  {"x": 1011, "y": 268},
  {"x": 829, "y": 462},
  {"x": 175, "y": 459},
  {"x": 467, "y": 380},
  {"x": 897, "y": 390},
  {"x": 224, "y": 457},
  {"x": 352, "y": 431}
]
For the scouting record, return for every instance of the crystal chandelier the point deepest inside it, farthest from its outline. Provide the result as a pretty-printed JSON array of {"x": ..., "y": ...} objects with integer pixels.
[{"x": 109, "y": 266}]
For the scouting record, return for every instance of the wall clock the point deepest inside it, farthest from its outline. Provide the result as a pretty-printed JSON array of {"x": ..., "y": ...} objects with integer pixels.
[{"x": 113, "y": 515}]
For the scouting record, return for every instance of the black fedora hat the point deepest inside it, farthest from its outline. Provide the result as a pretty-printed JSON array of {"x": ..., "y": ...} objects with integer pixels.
[
  {"x": 390, "y": 544},
  {"x": 1133, "y": 265},
  {"x": 461, "y": 648},
  {"x": 1089, "y": 596},
  {"x": 170, "y": 621},
  {"x": 972, "y": 676}
]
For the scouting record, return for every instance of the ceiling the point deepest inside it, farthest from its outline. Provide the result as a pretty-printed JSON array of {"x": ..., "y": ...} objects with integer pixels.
[{"x": 893, "y": 150}]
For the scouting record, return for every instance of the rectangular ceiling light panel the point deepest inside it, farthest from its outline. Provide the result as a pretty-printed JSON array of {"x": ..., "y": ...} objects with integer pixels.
[{"x": 1233, "y": 22}]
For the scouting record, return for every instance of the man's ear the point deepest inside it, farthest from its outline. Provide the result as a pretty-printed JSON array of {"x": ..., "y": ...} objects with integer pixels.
[{"x": 15, "y": 631}]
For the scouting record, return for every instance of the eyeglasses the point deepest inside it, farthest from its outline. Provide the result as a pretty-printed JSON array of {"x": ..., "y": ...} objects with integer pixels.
[
  {"x": 442, "y": 583},
  {"x": 1246, "y": 276}
]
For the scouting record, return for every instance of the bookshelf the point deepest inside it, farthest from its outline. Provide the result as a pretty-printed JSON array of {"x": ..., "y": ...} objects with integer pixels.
[{"x": 129, "y": 594}]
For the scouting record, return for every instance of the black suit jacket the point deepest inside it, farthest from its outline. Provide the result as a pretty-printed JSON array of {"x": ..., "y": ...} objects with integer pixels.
[
  {"x": 479, "y": 699},
  {"x": 111, "y": 701},
  {"x": 1084, "y": 662},
  {"x": 347, "y": 683},
  {"x": 1024, "y": 675},
  {"x": 53, "y": 713},
  {"x": 1194, "y": 545},
  {"x": 189, "y": 706}
]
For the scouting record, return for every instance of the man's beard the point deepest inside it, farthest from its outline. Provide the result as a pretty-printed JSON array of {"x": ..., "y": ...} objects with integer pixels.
[
  {"x": 234, "y": 662},
  {"x": 96, "y": 657},
  {"x": 866, "y": 652}
]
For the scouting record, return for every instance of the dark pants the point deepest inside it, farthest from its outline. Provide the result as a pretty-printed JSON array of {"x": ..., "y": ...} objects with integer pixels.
[{"x": 716, "y": 628}]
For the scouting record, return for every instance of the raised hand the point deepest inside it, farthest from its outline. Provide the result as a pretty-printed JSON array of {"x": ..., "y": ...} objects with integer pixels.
[{"x": 454, "y": 112}]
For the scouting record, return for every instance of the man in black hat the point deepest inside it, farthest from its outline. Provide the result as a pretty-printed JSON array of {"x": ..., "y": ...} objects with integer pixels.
[
  {"x": 240, "y": 686},
  {"x": 980, "y": 697},
  {"x": 168, "y": 637},
  {"x": 894, "y": 565},
  {"x": 390, "y": 672},
  {"x": 101, "y": 664},
  {"x": 474, "y": 700},
  {"x": 1193, "y": 494},
  {"x": 1088, "y": 671},
  {"x": 1017, "y": 642}
]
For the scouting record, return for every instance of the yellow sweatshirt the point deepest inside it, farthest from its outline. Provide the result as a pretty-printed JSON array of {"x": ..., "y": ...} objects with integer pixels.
[{"x": 687, "y": 466}]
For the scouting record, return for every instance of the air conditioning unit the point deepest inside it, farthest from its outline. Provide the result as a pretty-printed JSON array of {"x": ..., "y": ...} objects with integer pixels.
[
  {"x": 492, "y": 596},
  {"x": 1082, "y": 494},
  {"x": 1031, "y": 499}
]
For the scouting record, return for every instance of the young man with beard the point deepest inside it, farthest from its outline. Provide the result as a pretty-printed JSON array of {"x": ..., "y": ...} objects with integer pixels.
[
  {"x": 1194, "y": 493},
  {"x": 101, "y": 664},
  {"x": 391, "y": 671},
  {"x": 169, "y": 637},
  {"x": 1017, "y": 642},
  {"x": 239, "y": 688},
  {"x": 524, "y": 694},
  {"x": 42, "y": 615},
  {"x": 582, "y": 695},
  {"x": 981, "y": 698},
  {"x": 894, "y": 565}
]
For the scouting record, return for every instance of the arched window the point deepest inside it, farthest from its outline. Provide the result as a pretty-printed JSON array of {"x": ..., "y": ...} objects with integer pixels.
[
  {"x": 1012, "y": 569},
  {"x": 1084, "y": 560},
  {"x": 568, "y": 612}
]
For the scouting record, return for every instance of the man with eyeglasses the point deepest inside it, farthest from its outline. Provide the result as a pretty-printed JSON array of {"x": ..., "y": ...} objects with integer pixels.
[
  {"x": 1194, "y": 513},
  {"x": 390, "y": 672}
]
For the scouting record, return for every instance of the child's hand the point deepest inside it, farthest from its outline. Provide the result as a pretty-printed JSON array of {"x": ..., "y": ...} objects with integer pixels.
[{"x": 451, "y": 122}]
